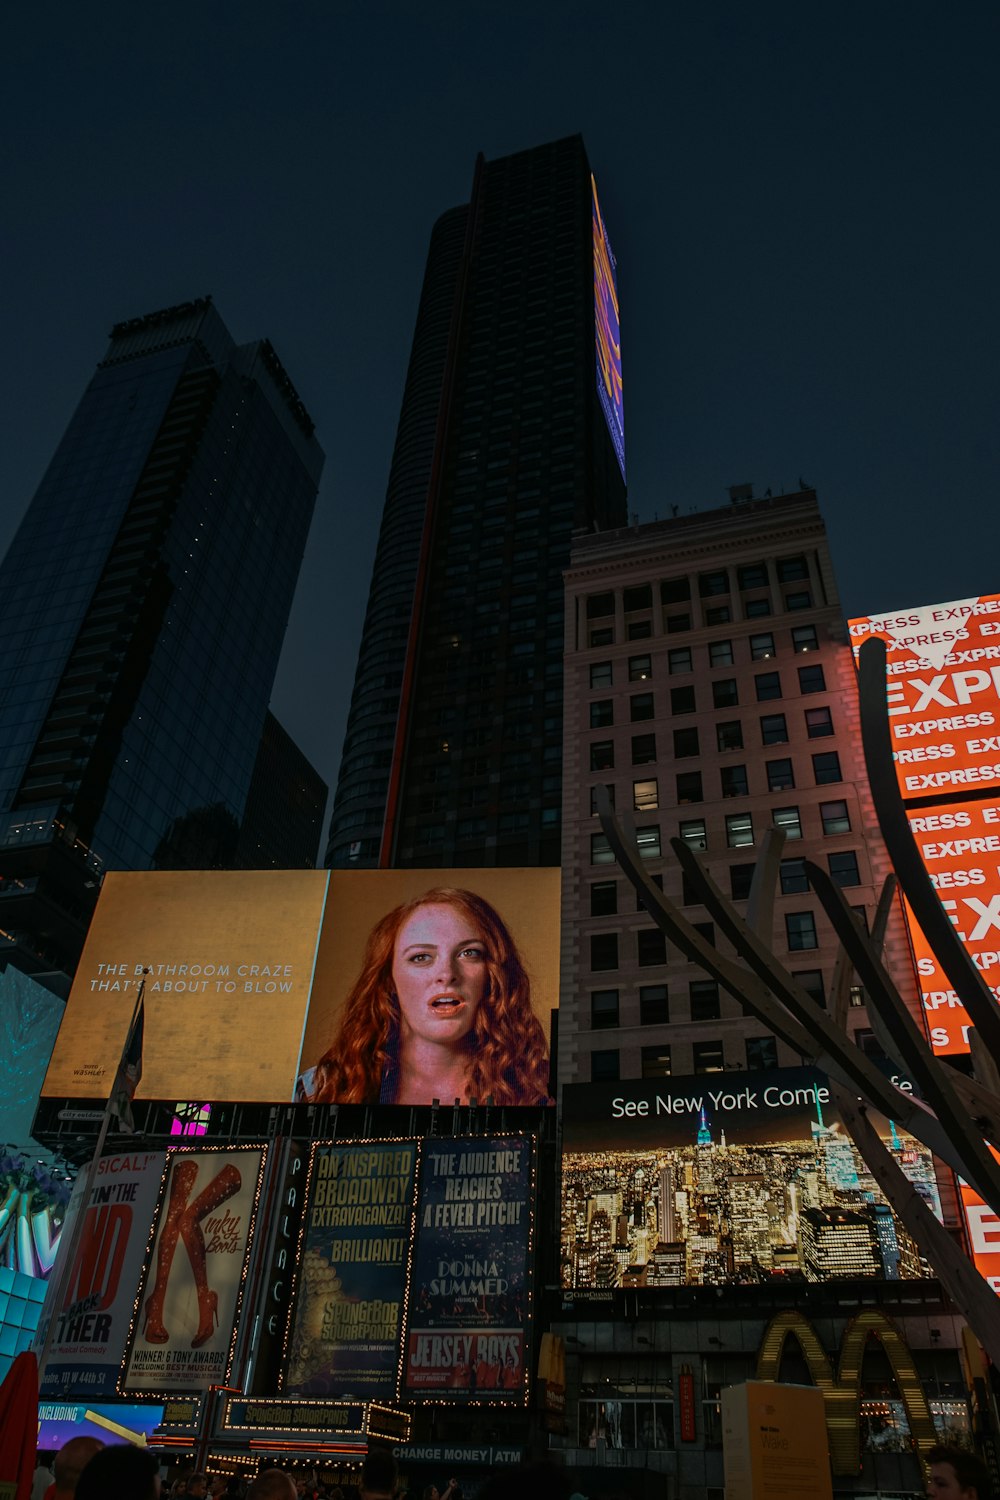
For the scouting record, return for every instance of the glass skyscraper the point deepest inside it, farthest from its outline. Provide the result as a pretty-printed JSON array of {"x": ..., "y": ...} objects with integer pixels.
[
  {"x": 143, "y": 604},
  {"x": 453, "y": 749}
]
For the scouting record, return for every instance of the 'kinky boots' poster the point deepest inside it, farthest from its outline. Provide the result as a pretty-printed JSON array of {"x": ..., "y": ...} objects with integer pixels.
[
  {"x": 466, "y": 1328},
  {"x": 190, "y": 1301}
]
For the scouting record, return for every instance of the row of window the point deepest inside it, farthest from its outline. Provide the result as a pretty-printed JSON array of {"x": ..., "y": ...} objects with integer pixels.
[
  {"x": 734, "y": 780},
  {"x": 720, "y": 654},
  {"x": 728, "y": 736},
  {"x": 682, "y": 621},
  {"x": 843, "y": 867},
  {"x": 703, "y": 1001},
  {"x": 834, "y": 816}
]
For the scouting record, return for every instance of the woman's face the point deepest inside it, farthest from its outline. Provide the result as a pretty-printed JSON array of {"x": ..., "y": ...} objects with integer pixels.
[{"x": 439, "y": 974}]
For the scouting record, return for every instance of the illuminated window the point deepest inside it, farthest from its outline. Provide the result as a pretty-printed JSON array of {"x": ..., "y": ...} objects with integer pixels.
[
  {"x": 640, "y": 667},
  {"x": 804, "y": 638},
  {"x": 761, "y": 646},
  {"x": 787, "y": 818},
  {"x": 739, "y": 830},
  {"x": 645, "y": 795},
  {"x": 656, "y": 1064},
  {"x": 693, "y": 832},
  {"x": 601, "y": 852},
  {"x": 648, "y": 841},
  {"x": 708, "y": 1057}
]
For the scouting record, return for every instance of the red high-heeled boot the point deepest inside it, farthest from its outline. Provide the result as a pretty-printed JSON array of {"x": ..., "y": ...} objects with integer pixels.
[
  {"x": 181, "y": 1184},
  {"x": 223, "y": 1186}
]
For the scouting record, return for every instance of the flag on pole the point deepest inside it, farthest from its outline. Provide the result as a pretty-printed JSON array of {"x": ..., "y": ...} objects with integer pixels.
[{"x": 129, "y": 1070}]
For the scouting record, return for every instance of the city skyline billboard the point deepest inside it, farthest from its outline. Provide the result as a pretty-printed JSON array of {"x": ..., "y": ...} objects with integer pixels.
[
  {"x": 607, "y": 331},
  {"x": 943, "y": 692},
  {"x": 723, "y": 1179},
  {"x": 381, "y": 986}
]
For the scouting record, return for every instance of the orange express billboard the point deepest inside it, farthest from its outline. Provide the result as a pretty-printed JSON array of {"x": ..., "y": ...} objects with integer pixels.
[
  {"x": 392, "y": 986},
  {"x": 943, "y": 691},
  {"x": 960, "y": 847}
]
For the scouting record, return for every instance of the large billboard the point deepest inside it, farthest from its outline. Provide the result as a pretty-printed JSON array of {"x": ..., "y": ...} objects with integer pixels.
[
  {"x": 391, "y": 986},
  {"x": 93, "y": 1324},
  {"x": 351, "y": 1273},
  {"x": 724, "y": 1179},
  {"x": 187, "y": 1311},
  {"x": 607, "y": 331},
  {"x": 960, "y": 846},
  {"x": 943, "y": 689},
  {"x": 470, "y": 1285}
]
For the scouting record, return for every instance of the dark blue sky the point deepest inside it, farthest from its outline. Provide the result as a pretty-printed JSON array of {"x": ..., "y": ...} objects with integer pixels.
[{"x": 802, "y": 200}]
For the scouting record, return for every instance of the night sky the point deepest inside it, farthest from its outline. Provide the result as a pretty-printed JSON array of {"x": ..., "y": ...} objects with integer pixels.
[{"x": 802, "y": 200}]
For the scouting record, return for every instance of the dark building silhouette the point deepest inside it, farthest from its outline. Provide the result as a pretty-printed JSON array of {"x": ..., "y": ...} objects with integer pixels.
[
  {"x": 453, "y": 749},
  {"x": 143, "y": 604},
  {"x": 283, "y": 818}
]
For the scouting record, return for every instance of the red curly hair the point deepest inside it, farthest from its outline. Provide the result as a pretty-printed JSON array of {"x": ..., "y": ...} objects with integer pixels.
[{"x": 508, "y": 1055}]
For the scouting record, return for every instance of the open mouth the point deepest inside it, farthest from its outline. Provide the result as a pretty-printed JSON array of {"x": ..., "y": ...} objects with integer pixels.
[{"x": 447, "y": 1004}]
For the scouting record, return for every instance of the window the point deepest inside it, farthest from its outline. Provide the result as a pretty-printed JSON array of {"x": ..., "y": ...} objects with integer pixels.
[
  {"x": 602, "y": 713},
  {"x": 811, "y": 980},
  {"x": 835, "y": 816},
  {"x": 799, "y": 599},
  {"x": 780, "y": 776},
  {"x": 604, "y": 898},
  {"x": 761, "y": 646},
  {"x": 844, "y": 868},
  {"x": 604, "y": 1066},
  {"x": 826, "y": 767},
  {"x": 689, "y": 896},
  {"x": 675, "y": 590},
  {"x": 603, "y": 950},
  {"x": 650, "y": 947},
  {"x": 638, "y": 630},
  {"x": 705, "y": 930},
  {"x": 804, "y": 638},
  {"x": 724, "y": 693},
  {"x": 703, "y": 995},
  {"x": 602, "y": 755},
  {"x": 676, "y": 623},
  {"x": 819, "y": 723},
  {"x": 768, "y": 685},
  {"x": 604, "y": 636},
  {"x": 773, "y": 729},
  {"x": 679, "y": 660},
  {"x": 720, "y": 654},
  {"x": 712, "y": 584},
  {"x": 708, "y": 1057},
  {"x": 685, "y": 742},
  {"x": 689, "y": 786},
  {"x": 648, "y": 841},
  {"x": 601, "y": 852},
  {"x": 739, "y": 830},
  {"x": 639, "y": 668},
  {"x": 656, "y": 880},
  {"x": 734, "y": 781},
  {"x": 753, "y": 576},
  {"x": 640, "y": 707},
  {"x": 791, "y": 569},
  {"x": 811, "y": 679},
  {"x": 645, "y": 795},
  {"x": 787, "y": 818},
  {"x": 762, "y": 1052},
  {"x": 718, "y": 614},
  {"x": 693, "y": 832},
  {"x": 599, "y": 605},
  {"x": 603, "y": 1009},
  {"x": 654, "y": 1008},
  {"x": 639, "y": 596},
  {"x": 757, "y": 609},
  {"x": 740, "y": 880},
  {"x": 600, "y": 674},
  {"x": 656, "y": 1061},
  {"x": 593, "y": 798},
  {"x": 793, "y": 877},
  {"x": 643, "y": 749},
  {"x": 729, "y": 736},
  {"x": 800, "y": 928},
  {"x": 682, "y": 700}
]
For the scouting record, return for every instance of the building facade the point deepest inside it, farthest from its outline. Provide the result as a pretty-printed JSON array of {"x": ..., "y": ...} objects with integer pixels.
[
  {"x": 453, "y": 749},
  {"x": 143, "y": 604}
]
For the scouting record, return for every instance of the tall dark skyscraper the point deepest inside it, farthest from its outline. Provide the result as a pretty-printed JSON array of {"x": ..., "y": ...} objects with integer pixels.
[
  {"x": 510, "y": 436},
  {"x": 143, "y": 603}
]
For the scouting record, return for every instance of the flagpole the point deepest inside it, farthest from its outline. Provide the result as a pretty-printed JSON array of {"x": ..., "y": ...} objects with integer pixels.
[{"x": 66, "y": 1257}]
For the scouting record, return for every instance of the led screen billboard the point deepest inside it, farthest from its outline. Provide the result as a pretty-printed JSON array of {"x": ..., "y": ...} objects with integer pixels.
[
  {"x": 943, "y": 689},
  {"x": 960, "y": 846},
  {"x": 723, "y": 1179},
  {"x": 607, "y": 332},
  {"x": 372, "y": 986}
]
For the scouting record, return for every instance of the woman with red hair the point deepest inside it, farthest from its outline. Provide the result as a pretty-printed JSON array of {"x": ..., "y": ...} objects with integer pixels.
[{"x": 440, "y": 1010}]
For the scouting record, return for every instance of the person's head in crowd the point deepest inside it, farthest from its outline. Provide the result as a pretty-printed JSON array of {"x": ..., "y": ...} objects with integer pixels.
[
  {"x": 379, "y": 1476},
  {"x": 120, "y": 1472},
  {"x": 198, "y": 1486},
  {"x": 70, "y": 1462},
  {"x": 272, "y": 1484},
  {"x": 956, "y": 1474}
]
